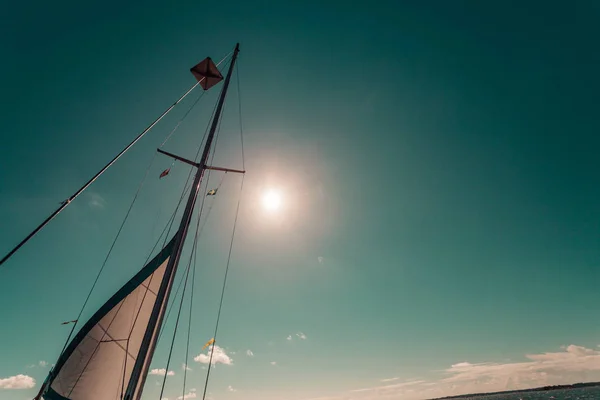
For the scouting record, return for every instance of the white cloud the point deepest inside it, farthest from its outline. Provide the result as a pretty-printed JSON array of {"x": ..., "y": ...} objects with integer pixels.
[
  {"x": 161, "y": 372},
  {"x": 17, "y": 382},
  {"x": 231, "y": 389},
  {"x": 301, "y": 335},
  {"x": 95, "y": 200},
  {"x": 320, "y": 260},
  {"x": 219, "y": 356},
  {"x": 545, "y": 368},
  {"x": 387, "y": 388},
  {"x": 190, "y": 395},
  {"x": 462, "y": 365},
  {"x": 273, "y": 362},
  {"x": 571, "y": 364},
  {"x": 185, "y": 367},
  {"x": 249, "y": 353},
  {"x": 42, "y": 363},
  {"x": 192, "y": 389},
  {"x": 289, "y": 337}
]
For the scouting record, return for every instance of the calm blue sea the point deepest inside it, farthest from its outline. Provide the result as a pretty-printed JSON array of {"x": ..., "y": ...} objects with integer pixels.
[{"x": 571, "y": 394}]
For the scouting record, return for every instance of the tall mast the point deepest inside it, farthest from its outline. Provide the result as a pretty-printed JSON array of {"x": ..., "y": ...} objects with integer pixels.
[{"x": 148, "y": 345}]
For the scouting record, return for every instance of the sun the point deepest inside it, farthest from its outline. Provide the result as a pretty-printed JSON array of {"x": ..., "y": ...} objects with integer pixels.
[{"x": 271, "y": 200}]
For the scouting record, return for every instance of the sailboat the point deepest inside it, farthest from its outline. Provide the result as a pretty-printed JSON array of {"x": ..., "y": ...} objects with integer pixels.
[{"x": 109, "y": 357}]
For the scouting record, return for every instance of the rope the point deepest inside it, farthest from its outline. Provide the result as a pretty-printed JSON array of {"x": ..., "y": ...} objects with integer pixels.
[
  {"x": 182, "y": 278},
  {"x": 181, "y": 120},
  {"x": 187, "y": 274},
  {"x": 187, "y": 347},
  {"x": 193, "y": 255},
  {"x": 68, "y": 201},
  {"x": 109, "y": 253},
  {"x": 237, "y": 71},
  {"x": 140, "y": 186},
  {"x": 173, "y": 217},
  {"x": 191, "y": 169},
  {"x": 212, "y": 350}
]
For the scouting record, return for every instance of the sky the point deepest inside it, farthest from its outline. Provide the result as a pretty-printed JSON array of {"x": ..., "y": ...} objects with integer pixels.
[{"x": 438, "y": 173}]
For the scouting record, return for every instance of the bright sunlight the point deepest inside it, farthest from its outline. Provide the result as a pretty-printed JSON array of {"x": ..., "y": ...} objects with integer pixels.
[{"x": 271, "y": 200}]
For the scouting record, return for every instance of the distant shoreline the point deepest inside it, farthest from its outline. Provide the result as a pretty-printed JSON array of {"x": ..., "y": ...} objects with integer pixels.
[{"x": 539, "y": 389}]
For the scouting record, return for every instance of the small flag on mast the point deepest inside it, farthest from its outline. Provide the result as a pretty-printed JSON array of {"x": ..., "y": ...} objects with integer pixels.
[
  {"x": 164, "y": 173},
  {"x": 69, "y": 322},
  {"x": 211, "y": 341}
]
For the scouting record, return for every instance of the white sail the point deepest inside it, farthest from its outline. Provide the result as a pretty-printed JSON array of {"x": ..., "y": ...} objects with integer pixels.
[{"x": 98, "y": 362}]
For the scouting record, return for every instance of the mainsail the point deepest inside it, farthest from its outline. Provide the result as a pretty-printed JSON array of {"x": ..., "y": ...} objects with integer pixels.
[{"x": 98, "y": 362}]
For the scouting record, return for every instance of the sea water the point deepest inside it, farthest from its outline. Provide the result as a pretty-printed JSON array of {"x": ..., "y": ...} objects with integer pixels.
[{"x": 563, "y": 394}]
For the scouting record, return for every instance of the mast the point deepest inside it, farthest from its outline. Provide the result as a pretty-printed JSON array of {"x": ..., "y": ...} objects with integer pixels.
[{"x": 148, "y": 345}]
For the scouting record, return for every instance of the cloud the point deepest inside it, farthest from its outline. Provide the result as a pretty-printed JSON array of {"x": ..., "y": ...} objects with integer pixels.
[
  {"x": 301, "y": 335},
  {"x": 390, "y": 387},
  {"x": 289, "y": 337},
  {"x": 185, "y": 367},
  {"x": 571, "y": 364},
  {"x": 161, "y": 372},
  {"x": 219, "y": 356},
  {"x": 190, "y": 395},
  {"x": 96, "y": 201},
  {"x": 249, "y": 353},
  {"x": 273, "y": 362},
  {"x": 320, "y": 260},
  {"x": 231, "y": 389},
  {"x": 41, "y": 364},
  {"x": 17, "y": 382},
  {"x": 545, "y": 368}
]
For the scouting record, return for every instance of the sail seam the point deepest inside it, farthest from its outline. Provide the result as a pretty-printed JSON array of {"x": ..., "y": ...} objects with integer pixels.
[
  {"x": 95, "y": 350},
  {"x": 150, "y": 290}
]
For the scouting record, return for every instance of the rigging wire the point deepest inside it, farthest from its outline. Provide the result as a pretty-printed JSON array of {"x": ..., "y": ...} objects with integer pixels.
[
  {"x": 187, "y": 274},
  {"x": 169, "y": 226},
  {"x": 114, "y": 242},
  {"x": 195, "y": 159},
  {"x": 68, "y": 201},
  {"x": 223, "y": 289},
  {"x": 140, "y": 186},
  {"x": 170, "y": 223},
  {"x": 192, "y": 256},
  {"x": 229, "y": 254},
  {"x": 168, "y": 229},
  {"x": 237, "y": 72},
  {"x": 187, "y": 347}
]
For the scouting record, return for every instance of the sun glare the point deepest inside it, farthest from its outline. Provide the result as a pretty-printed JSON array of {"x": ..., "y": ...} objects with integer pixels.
[{"x": 271, "y": 200}]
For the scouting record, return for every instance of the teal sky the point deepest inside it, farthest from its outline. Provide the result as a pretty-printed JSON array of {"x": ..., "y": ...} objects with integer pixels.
[{"x": 438, "y": 164}]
